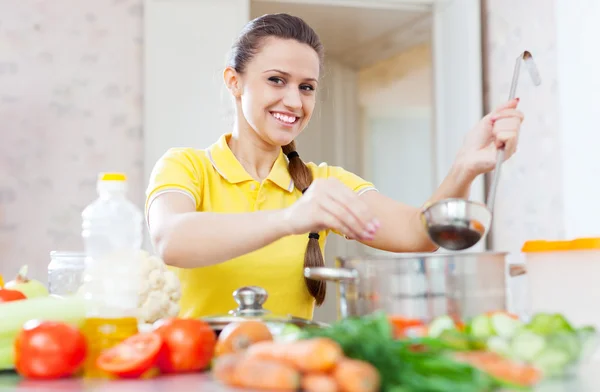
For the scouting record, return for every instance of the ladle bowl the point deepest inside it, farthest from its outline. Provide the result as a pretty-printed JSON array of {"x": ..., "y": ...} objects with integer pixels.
[{"x": 456, "y": 224}]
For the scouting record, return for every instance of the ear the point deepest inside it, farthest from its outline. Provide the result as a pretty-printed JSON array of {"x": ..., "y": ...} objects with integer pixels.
[{"x": 232, "y": 80}]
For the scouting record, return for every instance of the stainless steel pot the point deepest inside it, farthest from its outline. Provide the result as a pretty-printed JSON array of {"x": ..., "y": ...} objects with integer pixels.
[
  {"x": 420, "y": 286},
  {"x": 250, "y": 300}
]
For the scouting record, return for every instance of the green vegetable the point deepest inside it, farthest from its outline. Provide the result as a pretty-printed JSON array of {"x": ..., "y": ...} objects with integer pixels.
[
  {"x": 16, "y": 313},
  {"x": 481, "y": 327},
  {"x": 504, "y": 325},
  {"x": 440, "y": 325},
  {"x": 526, "y": 345},
  {"x": 545, "y": 324}
]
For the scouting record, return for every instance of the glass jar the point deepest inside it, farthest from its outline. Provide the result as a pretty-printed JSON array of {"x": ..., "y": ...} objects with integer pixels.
[{"x": 65, "y": 272}]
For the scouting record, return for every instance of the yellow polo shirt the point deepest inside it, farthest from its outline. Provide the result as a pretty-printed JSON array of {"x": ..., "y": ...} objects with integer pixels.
[{"x": 216, "y": 181}]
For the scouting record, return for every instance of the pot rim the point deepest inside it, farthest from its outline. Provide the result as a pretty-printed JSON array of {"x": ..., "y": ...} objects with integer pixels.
[{"x": 421, "y": 255}]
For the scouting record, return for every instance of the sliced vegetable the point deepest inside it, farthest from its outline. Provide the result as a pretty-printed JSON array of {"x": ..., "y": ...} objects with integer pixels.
[
  {"x": 132, "y": 357},
  {"x": 527, "y": 345},
  {"x": 481, "y": 327},
  {"x": 440, "y": 325},
  {"x": 289, "y": 332},
  {"x": 552, "y": 361},
  {"x": 504, "y": 325}
]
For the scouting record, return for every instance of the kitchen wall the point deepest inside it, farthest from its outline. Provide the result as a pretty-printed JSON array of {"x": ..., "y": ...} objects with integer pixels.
[{"x": 70, "y": 106}]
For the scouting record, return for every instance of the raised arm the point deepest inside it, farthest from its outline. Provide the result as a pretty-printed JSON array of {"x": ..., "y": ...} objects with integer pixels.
[{"x": 401, "y": 227}]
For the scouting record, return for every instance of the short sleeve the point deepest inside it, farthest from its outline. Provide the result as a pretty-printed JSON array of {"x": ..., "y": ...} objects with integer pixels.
[
  {"x": 351, "y": 180},
  {"x": 178, "y": 170}
]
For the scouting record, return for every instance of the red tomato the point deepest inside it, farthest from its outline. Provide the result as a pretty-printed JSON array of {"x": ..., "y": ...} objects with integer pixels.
[
  {"x": 189, "y": 345},
  {"x": 132, "y": 357},
  {"x": 49, "y": 350},
  {"x": 7, "y": 295}
]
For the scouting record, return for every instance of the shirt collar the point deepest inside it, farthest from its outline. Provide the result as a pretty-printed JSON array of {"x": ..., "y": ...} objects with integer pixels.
[{"x": 228, "y": 167}]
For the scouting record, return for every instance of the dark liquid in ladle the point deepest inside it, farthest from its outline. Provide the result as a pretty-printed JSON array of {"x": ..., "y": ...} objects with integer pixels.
[{"x": 454, "y": 237}]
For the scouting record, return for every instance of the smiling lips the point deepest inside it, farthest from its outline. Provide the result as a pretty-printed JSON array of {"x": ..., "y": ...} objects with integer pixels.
[{"x": 285, "y": 119}]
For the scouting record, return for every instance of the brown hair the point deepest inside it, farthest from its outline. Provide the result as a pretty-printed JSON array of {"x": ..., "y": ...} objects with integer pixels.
[{"x": 249, "y": 42}]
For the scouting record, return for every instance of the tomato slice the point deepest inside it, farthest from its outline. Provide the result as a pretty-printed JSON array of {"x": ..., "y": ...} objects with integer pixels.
[{"x": 132, "y": 357}]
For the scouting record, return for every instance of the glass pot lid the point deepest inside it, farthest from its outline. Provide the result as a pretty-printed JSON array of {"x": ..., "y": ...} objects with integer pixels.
[{"x": 250, "y": 300}]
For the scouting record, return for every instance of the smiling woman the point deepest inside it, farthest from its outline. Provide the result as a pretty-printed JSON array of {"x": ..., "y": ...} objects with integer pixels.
[{"x": 249, "y": 211}]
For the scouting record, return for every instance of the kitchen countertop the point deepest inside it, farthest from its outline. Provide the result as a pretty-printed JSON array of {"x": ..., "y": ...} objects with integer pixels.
[{"x": 587, "y": 381}]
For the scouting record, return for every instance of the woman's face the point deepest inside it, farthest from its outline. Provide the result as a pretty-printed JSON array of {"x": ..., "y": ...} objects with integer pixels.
[{"x": 278, "y": 90}]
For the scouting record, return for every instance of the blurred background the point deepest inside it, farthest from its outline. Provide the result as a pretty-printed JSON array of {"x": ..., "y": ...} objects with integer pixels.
[{"x": 90, "y": 86}]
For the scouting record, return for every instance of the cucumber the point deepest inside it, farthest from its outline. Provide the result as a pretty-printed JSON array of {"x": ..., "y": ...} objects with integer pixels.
[
  {"x": 527, "y": 345},
  {"x": 289, "y": 332},
  {"x": 566, "y": 342},
  {"x": 13, "y": 315},
  {"x": 552, "y": 361},
  {"x": 504, "y": 325},
  {"x": 70, "y": 310},
  {"x": 499, "y": 345},
  {"x": 439, "y": 325},
  {"x": 455, "y": 340},
  {"x": 481, "y": 327}
]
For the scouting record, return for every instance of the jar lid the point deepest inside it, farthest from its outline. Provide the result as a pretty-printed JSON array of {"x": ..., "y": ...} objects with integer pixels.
[
  {"x": 538, "y": 246},
  {"x": 250, "y": 300}
]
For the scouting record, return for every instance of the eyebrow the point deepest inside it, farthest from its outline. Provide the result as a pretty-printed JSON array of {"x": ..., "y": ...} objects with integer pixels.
[{"x": 288, "y": 74}]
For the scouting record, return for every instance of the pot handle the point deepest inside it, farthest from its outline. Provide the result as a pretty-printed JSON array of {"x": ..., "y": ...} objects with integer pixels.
[
  {"x": 517, "y": 269},
  {"x": 331, "y": 274}
]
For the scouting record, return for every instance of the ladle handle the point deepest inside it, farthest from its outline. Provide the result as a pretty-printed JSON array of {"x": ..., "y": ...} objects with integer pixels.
[{"x": 526, "y": 56}]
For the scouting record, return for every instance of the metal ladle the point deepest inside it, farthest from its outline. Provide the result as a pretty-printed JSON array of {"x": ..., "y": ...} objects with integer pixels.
[{"x": 458, "y": 224}]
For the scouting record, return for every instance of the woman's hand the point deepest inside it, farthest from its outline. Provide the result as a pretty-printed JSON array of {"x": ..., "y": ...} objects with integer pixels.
[
  {"x": 329, "y": 204},
  {"x": 498, "y": 128}
]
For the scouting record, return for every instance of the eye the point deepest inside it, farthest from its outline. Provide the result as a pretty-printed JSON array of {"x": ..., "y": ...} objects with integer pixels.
[
  {"x": 276, "y": 80},
  {"x": 307, "y": 87}
]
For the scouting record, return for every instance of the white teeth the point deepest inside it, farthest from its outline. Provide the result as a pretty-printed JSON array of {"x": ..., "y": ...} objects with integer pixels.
[{"x": 285, "y": 118}]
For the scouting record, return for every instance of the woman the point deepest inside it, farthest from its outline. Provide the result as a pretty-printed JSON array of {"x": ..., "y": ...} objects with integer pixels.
[{"x": 249, "y": 211}]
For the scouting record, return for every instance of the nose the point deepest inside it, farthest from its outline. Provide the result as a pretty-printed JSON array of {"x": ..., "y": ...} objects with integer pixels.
[{"x": 292, "y": 98}]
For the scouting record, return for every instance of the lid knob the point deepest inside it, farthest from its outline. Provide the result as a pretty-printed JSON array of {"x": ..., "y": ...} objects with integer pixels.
[{"x": 250, "y": 299}]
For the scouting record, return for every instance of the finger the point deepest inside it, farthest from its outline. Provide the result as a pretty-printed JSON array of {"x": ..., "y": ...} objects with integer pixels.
[
  {"x": 508, "y": 113},
  {"x": 347, "y": 223},
  {"x": 332, "y": 222},
  {"x": 512, "y": 104}
]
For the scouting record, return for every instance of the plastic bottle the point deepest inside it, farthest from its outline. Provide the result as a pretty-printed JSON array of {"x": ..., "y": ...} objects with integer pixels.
[{"x": 112, "y": 237}]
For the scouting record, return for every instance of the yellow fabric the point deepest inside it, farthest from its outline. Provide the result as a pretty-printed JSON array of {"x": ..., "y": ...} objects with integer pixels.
[{"x": 217, "y": 182}]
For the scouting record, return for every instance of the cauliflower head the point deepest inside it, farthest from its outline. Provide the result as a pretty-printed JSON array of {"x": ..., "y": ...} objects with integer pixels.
[{"x": 160, "y": 290}]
